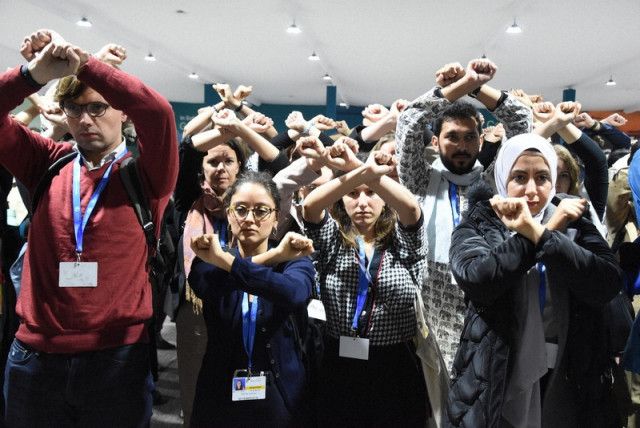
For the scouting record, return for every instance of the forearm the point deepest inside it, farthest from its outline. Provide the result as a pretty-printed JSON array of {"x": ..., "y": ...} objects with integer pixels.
[
  {"x": 399, "y": 198},
  {"x": 205, "y": 141},
  {"x": 199, "y": 122},
  {"x": 324, "y": 196},
  {"x": 257, "y": 142},
  {"x": 378, "y": 129},
  {"x": 570, "y": 133},
  {"x": 596, "y": 171},
  {"x": 459, "y": 89},
  {"x": 489, "y": 96},
  {"x": 26, "y": 116}
]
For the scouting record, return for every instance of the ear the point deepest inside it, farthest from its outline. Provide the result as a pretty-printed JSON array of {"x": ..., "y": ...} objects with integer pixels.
[
  {"x": 123, "y": 117},
  {"x": 434, "y": 142}
]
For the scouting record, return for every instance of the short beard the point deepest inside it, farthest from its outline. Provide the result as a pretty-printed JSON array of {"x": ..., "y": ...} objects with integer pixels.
[{"x": 458, "y": 170}]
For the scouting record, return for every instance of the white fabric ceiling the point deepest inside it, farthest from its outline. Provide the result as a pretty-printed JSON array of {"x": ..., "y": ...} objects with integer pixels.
[{"x": 376, "y": 50}]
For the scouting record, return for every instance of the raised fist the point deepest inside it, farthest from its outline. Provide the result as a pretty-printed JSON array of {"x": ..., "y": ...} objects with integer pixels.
[
  {"x": 374, "y": 112},
  {"x": 583, "y": 120},
  {"x": 543, "y": 111},
  {"x": 112, "y": 54},
  {"x": 242, "y": 92},
  {"x": 481, "y": 70},
  {"x": 37, "y": 41},
  {"x": 339, "y": 156},
  {"x": 398, "y": 107},
  {"x": 310, "y": 147},
  {"x": 323, "y": 123},
  {"x": 567, "y": 111},
  {"x": 494, "y": 134},
  {"x": 258, "y": 122},
  {"x": 450, "y": 73},
  {"x": 295, "y": 121},
  {"x": 615, "y": 120}
]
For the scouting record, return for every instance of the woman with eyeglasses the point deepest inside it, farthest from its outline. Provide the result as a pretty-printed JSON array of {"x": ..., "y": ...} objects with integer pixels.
[
  {"x": 254, "y": 307},
  {"x": 370, "y": 258}
]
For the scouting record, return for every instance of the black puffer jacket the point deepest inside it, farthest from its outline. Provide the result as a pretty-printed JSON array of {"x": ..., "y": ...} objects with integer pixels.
[{"x": 489, "y": 264}]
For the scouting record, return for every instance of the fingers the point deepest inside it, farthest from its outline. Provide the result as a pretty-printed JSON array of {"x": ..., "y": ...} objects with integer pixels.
[
  {"x": 350, "y": 142},
  {"x": 202, "y": 242}
]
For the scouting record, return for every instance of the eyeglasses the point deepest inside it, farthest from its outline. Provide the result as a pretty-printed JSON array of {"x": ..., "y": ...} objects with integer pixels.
[
  {"x": 260, "y": 212},
  {"x": 73, "y": 110}
]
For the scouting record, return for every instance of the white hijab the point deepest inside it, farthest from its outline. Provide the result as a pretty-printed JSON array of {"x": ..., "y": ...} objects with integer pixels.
[{"x": 509, "y": 153}]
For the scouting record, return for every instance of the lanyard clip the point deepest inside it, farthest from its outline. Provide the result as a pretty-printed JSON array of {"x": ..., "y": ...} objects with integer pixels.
[
  {"x": 354, "y": 332},
  {"x": 78, "y": 254}
]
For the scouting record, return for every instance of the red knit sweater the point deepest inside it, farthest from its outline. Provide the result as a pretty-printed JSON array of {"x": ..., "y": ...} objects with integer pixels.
[{"x": 67, "y": 320}]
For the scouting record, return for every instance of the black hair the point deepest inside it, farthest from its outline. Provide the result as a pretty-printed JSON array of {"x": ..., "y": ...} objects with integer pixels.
[
  {"x": 457, "y": 110},
  {"x": 615, "y": 155},
  {"x": 262, "y": 178}
]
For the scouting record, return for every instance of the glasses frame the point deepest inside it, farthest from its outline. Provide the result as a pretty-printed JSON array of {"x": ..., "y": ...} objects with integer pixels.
[
  {"x": 84, "y": 107},
  {"x": 233, "y": 208}
]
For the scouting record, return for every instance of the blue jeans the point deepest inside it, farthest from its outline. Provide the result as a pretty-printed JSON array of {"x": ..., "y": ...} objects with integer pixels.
[{"x": 107, "y": 388}]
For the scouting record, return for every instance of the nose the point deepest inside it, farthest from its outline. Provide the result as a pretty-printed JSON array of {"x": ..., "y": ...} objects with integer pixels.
[
  {"x": 220, "y": 165},
  {"x": 85, "y": 117},
  {"x": 363, "y": 200},
  {"x": 531, "y": 189}
]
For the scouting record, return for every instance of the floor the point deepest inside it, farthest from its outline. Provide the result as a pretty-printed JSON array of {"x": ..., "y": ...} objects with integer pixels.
[{"x": 167, "y": 415}]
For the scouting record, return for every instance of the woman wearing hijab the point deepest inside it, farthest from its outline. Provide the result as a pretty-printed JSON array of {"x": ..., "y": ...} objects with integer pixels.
[{"x": 536, "y": 277}]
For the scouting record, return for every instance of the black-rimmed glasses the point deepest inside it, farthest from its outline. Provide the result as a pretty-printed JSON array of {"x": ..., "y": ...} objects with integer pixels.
[
  {"x": 73, "y": 110},
  {"x": 260, "y": 212}
]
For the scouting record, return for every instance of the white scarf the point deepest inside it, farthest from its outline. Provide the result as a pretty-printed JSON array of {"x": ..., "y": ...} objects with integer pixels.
[{"x": 437, "y": 207}]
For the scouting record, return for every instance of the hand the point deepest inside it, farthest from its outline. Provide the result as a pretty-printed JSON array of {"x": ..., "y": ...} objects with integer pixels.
[
  {"x": 583, "y": 120},
  {"x": 381, "y": 163},
  {"x": 207, "y": 247},
  {"x": 481, "y": 71},
  {"x": 340, "y": 157},
  {"x": 54, "y": 114},
  {"x": 295, "y": 121},
  {"x": 242, "y": 92},
  {"x": 224, "y": 91},
  {"x": 342, "y": 127},
  {"x": 323, "y": 123},
  {"x": 353, "y": 144},
  {"x": 56, "y": 61},
  {"x": 513, "y": 212},
  {"x": 292, "y": 246},
  {"x": 374, "y": 112},
  {"x": 494, "y": 134},
  {"x": 543, "y": 112},
  {"x": 112, "y": 54},
  {"x": 258, "y": 122},
  {"x": 226, "y": 120},
  {"x": 311, "y": 148},
  {"x": 566, "y": 112},
  {"x": 568, "y": 210},
  {"x": 398, "y": 107},
  {"x": 37, "y": 41},
  {"x": 615, "y": 120},
  {"x": 449, "y": 74}
]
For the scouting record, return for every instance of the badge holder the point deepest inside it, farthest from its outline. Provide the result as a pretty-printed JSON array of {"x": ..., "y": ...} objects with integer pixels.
[
  {"x": 354, "y": 347},
  {"x": 78, "y": 274},
  {"x": 245, "y": 387}
]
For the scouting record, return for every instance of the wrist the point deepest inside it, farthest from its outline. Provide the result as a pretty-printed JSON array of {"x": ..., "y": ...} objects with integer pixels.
[{"x": 27, "y": 73}]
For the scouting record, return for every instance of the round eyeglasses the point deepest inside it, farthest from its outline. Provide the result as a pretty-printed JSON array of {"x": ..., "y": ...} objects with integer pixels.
[
  {"x": 94, "y": 109},
  {"x": 260, "y": 212}
]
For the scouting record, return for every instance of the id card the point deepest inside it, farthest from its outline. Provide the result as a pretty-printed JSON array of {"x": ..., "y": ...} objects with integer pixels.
[
  {"x": 354, "y": 347},
  {"x": 245, "y": 387},
  {"x": 78, "y": 274},
  {"x": 315, "y": 309},
  {"x": 552, "y": 355}
]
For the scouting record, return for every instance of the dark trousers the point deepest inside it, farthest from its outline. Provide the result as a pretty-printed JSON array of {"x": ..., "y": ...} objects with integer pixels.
[
  {"x": 387, "y": 390},
  {"x": 108, "y": 388}
]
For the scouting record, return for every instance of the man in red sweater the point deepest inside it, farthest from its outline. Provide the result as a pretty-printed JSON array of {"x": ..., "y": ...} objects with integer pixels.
[{"x": 80, "y": 357}]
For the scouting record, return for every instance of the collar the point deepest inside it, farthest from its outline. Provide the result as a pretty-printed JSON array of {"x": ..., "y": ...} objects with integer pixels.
[{"x": 108, "y": 158}]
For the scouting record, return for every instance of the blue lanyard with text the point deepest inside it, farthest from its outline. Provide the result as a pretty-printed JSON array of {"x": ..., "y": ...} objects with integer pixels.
[
  {"x": 363, "y": 283},
  {"x": 542, "y": 290},
  {"x": 80, "y": 221},
  {"x": 455, "y": 203},
  {"x": 221, "y": 229},
  {"x": 249, "y": 316}
]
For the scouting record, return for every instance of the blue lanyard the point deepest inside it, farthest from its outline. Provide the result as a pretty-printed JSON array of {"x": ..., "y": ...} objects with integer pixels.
[
  {"x": 455, "y": 203},
  {"x": 249, "y": 315},
  {"x": 80, "y": 221},
  {"x": 542, "y": 290},
  {"x": 221, "y": 229},
  {"x": 363, "y": 283}
]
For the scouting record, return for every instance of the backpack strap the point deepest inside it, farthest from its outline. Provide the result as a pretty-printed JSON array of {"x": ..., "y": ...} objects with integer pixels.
[
  {"x": 131, "y": 182},
  {"x": 45, "y": 181}
]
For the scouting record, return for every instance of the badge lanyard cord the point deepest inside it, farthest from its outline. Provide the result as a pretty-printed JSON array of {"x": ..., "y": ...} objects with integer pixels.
[
  {"x": 455, "y": 203},
  {"x": 249, "y": 316},
  {"x": 363, "y": 284},
  {"x": 80, "y": 221}
]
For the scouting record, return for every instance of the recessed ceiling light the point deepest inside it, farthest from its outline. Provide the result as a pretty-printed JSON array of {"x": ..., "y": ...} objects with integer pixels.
[
  {"x": 293, "y": 29},
  {"x": 611, "y": 82},
  {"x": 150, "y": 57},
  {"x": 326, "y": 77},
  {"x": 314, "y": 57},
  {"x": 193, "y": 76},
  {"x": 180, "y": 11},
  {"x": 84, "y": 22},
  {"x": 345, "y": 105},
  {"x": 514, "y": 28}
]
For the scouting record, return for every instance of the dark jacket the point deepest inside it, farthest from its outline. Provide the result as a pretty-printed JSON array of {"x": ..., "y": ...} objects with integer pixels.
[{"x": 489, "y": 264}]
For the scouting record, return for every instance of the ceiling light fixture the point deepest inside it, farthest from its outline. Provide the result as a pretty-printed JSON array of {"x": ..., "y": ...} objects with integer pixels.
[
  {"x": 514, "y": 28},
  {"x": 611, "y": 82},
  {"x": 84, "y": 22},
  {"x": 326, "y": 77},
  {"x": 293, "y": 28},
  {"x": 150, "y": 57},
  {"x": 343, "y": 104},
  {"x": 193, "y": 76},
  {"x": 314, "y": 57}
]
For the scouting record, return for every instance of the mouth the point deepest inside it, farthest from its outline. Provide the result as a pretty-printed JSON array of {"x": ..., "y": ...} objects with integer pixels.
[{"x": 89, "y": 134}]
